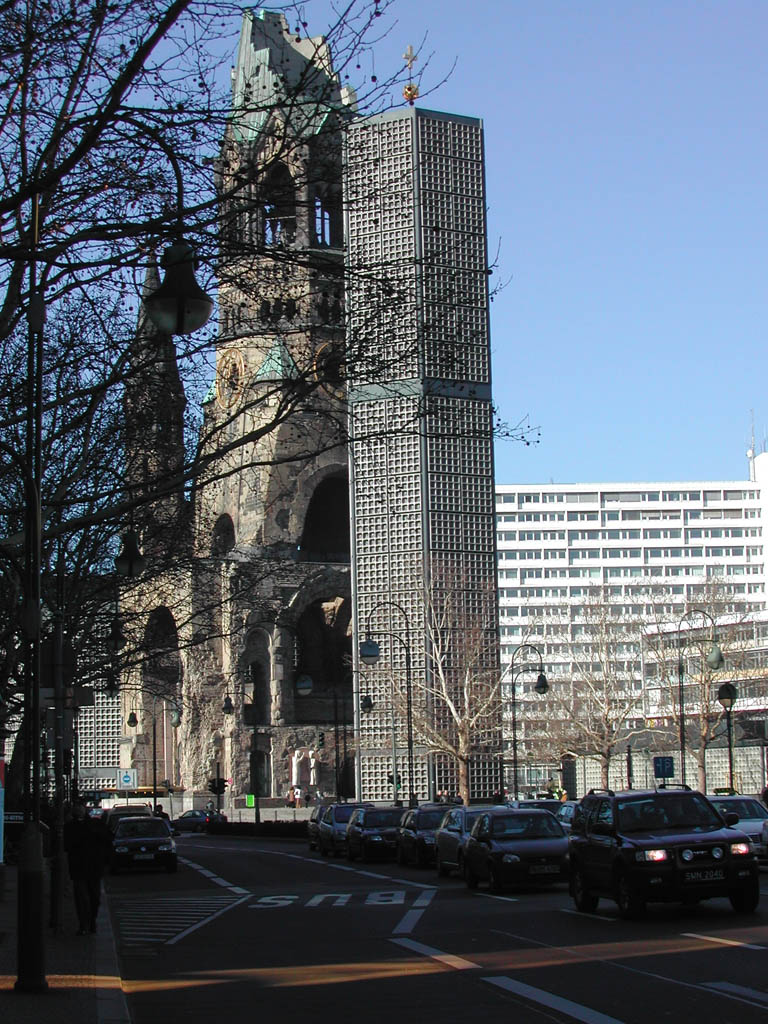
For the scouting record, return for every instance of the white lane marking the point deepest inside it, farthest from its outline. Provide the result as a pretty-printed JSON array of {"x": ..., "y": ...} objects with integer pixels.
[
  {"x": 408, "y": 923},
  {"x": 721, "y": 942},
  {"x": 194, "y": 927},
  {"x": 696, "y": 986},
  {"x": 412, "y": 917},
  {"x": 458, "y": 962},
  {"x": 505, "y": 899},
  {"x": 595, "y": 917},
  {"x": 761, "y": 998},
  {"x": 212, "y": 877},
  {"x": 537, "y": 995}
]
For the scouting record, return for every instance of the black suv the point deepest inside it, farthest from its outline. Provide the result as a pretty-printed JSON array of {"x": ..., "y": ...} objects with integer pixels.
[{"x": 658, "y": 845}]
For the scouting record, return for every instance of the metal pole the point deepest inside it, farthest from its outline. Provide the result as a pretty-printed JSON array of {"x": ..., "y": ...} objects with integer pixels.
[
  {"x": 681, "y": 708},
  {"x": 395, "y": 797},
  {"x": 30, "y": 900},
  {"x": 514, "y": 737},
  {"x": 730, "y": 748},
  {"x": 412, "y": 801},
  {"x": 336, "y": 735},
  {"x": 154, "y": 757},
  {"x": 218, "y": 788}
]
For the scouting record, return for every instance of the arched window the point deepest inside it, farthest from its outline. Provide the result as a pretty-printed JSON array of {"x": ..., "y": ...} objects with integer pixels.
[
  {"x": 279, "y": 207},
  {"x": 261, "y": 698},
  {"x": 223, "y": 539},
  {"x": 326, "y": 528}
]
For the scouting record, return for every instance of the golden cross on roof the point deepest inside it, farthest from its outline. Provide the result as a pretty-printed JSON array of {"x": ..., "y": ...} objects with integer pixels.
[{"x": 410, "y": 58}]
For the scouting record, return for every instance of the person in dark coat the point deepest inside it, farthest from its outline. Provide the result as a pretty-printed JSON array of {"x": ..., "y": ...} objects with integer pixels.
[{"x": 87, "y": 843}]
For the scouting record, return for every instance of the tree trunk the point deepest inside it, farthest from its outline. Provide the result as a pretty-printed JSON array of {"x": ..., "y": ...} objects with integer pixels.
[
  {"x": 464, "y": 780},
  {"x": 605, "y": 764},
  {"x": 701, "y": 768}
]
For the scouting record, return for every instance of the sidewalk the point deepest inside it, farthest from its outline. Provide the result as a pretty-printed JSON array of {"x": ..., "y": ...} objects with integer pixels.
[{"x": 82, "y": 972}]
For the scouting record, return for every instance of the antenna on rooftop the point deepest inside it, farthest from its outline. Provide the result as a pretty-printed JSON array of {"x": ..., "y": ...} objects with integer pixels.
[{"x": 751, "y": 449}]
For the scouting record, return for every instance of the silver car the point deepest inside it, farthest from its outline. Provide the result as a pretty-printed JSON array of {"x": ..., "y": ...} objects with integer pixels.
[{"x": 753, "y": 820}]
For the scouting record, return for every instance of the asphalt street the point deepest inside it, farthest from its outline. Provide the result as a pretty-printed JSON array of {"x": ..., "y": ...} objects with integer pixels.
[{"x": 249, "y": 928}]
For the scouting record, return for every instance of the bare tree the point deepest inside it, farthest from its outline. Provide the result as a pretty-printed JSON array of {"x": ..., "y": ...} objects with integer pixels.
[{"x": 457, "y": 703}]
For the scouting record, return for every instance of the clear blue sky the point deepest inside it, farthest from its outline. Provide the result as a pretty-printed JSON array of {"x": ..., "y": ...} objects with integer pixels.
[{"x": 628, "y": 189}]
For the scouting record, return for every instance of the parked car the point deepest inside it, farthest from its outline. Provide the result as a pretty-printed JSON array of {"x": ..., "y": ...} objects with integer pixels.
[
  {"x": 511, "y": 845},
  {"x": 565, "y": 814},
  {"x": 416, "y": 834},
  {"x": 537, "y": 803},
  {"x": 753, "y": 820},
  {"x": 119, "y": 811},
  {"x": 142, "y": 842},
  {"x": 332, "y": 829},
  {"x": 658, "y": 845},
  {"x": 451, "y": 836},
  {"x": 197, "y": 820},
  {"x": 372, "y": 832},
  {"x": 314, "y": 824}
]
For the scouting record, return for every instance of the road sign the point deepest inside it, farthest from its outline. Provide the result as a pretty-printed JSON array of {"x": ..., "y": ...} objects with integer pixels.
[
  {"x": 663, "y": 767},
  {"x": 126, "y": 778}
]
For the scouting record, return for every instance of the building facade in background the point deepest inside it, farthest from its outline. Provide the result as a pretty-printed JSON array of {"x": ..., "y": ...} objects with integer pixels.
[{"x": 584, "y": 568}]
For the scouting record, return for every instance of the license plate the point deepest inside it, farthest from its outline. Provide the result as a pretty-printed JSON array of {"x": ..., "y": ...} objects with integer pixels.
[
  {"x": 143, "y": 856},
  {"x": 705, "y": 875},
  {"x": 545, "y": 869}
]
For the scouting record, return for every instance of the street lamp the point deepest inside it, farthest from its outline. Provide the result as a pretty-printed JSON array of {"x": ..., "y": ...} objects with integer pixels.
[
  {"x": 727, "y": 696},
  {"x": 132, "y": 721},
  {"x": 714, "y": 660},
  {"x": 541, "y": 686},
  {"x": 369, "y": 655},
  {"x": 412, "y": 801}
]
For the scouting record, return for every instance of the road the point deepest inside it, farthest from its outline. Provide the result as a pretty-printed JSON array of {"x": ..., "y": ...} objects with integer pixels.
[{"x": 265, "y": 929}]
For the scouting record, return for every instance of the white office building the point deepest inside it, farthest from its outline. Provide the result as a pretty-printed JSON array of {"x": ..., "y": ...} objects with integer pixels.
[{"x": 645, "y": 550}]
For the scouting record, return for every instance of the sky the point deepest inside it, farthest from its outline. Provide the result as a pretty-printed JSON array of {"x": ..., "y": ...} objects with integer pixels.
[{"x": 627, "y": 197}]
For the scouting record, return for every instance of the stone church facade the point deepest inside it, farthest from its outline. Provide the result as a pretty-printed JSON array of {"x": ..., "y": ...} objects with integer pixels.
[{"x": 249, "y": 669}]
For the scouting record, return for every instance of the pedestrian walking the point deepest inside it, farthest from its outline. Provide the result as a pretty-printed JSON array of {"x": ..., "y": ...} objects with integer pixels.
[
  {"x": 87, "y": 844},
  {"x": 160, "y": 813},
  {"x": 297, "y": 795}
]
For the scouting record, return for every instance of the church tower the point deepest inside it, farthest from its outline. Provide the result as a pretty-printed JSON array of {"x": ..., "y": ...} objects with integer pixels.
[{"x": 272, "y": 589}]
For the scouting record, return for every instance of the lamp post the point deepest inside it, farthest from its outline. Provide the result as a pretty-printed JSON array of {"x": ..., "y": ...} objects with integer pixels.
[
  {"x": 369, "y": 655},
  {"x": 714, "y": 660},
  {"x": 541, "y": 687},
  {"x": 132, "y": 721},
  {"x": 727, "y": 696},
  {"x": 412, "y": 801}
]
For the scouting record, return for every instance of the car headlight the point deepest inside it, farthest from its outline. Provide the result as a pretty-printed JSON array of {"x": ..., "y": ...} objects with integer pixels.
[
  {"x": 374, "y": 839},
  {"x": 718, "y": 852},
  {"x": 166, "y": 847},
  {"x": 121, "y": 849},
  {"x": 654, "y": 855},
  {"x": 510, "y": 858},
  {"x": 739, "y": 849},
  {"x": 428, "y": 839}
]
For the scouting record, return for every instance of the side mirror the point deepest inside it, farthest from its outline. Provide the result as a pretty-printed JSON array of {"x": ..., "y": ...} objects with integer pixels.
[
  {"x": 731, "y": 818},
  {"x": 602, "y": 828},
  {"x": 175, "y": 832}
]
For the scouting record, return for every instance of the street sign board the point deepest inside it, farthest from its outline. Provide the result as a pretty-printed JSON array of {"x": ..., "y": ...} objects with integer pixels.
[
  {"x": 663, "y": 767},
  {"x": 126, "y": 778}
]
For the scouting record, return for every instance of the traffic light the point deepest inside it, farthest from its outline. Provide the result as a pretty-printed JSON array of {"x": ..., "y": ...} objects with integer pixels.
[
  {"x": 217, "y": 786},
  {"x": 212, "y": 787},
  {"x": 321, "y": 739},
  {"x": 394, "y": 779}
]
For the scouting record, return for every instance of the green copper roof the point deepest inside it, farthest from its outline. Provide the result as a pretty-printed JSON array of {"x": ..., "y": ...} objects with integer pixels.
[
  {"x": 278, "y": 365},
  {"x": 277, "y": 70}
]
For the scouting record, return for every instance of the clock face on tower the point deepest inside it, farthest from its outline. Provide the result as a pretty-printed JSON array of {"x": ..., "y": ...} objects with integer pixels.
[{"x": 230, "y": 379}]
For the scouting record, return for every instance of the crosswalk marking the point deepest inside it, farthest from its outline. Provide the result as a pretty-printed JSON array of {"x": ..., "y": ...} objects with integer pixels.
[{"x": 166, "y": 918}]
